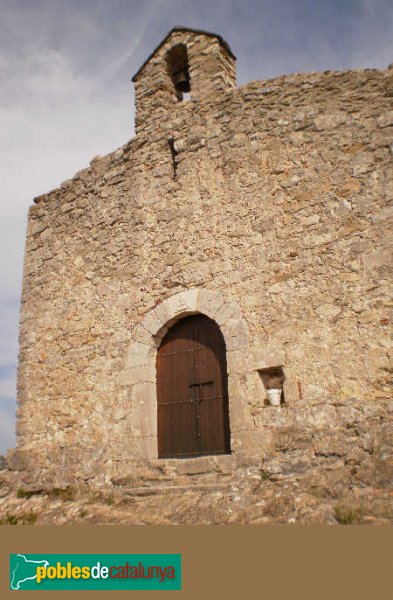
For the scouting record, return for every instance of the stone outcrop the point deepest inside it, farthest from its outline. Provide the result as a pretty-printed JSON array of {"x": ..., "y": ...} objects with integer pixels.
[
  {"x": 206, "y": 490},
  {"x": 267, "y": 207}
]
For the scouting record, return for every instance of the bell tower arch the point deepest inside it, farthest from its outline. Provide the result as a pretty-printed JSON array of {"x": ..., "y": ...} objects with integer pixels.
[{"x": 187, "y": 61}]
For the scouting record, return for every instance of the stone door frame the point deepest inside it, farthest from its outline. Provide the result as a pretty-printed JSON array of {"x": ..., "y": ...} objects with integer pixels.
[{"x": 139, "y": 375}]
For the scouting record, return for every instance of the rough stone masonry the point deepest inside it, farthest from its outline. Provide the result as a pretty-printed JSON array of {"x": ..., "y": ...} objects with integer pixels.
[{"x": 266, "y": 207}]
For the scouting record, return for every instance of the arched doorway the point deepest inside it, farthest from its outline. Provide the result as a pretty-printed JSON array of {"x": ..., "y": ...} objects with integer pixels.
[{"x": 192, "y": 390}]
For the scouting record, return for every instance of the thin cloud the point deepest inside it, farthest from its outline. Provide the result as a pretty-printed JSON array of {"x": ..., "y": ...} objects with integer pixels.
[
  {"x": 8, "y": 387},
  {"x": 7, "y": 424}
]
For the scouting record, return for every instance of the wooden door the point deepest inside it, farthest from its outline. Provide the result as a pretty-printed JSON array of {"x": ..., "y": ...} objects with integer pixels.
[{"x": 192, "y": 390}]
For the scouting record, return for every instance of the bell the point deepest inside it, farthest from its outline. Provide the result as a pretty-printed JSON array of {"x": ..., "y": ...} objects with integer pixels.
[{"x": 181, "y": 81}]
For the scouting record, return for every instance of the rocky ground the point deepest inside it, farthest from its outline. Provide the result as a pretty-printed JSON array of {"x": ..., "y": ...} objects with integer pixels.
[{"x": 246, "y": 494}]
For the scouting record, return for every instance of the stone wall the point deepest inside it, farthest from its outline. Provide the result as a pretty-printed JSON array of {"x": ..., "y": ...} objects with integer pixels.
[{"x": 274, "y": 205}]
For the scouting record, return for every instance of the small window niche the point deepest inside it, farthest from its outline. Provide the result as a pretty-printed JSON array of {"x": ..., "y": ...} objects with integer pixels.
[
  {"x": 177, "y": 60},
  {"x": 273, "y": 381}
]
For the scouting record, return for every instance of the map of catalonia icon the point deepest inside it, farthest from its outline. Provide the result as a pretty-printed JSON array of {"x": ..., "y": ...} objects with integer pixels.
[{"x": 23, "y": 569}]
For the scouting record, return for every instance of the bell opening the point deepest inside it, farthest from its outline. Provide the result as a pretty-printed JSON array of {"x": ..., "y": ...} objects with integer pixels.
[
  {"x": 182, "y": 81},
  {"x": 177, "y": 61}
]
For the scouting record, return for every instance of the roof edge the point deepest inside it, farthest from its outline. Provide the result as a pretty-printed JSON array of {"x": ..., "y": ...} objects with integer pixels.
[{"x": 181, "y": 28}]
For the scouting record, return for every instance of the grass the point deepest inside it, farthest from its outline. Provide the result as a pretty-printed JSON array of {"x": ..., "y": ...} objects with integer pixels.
[
  {"x": 29, "y": 518},
  {"x": 265, "y": 475},
  {"x": 9, "y": 520},
  {"x": 103, "y": 498},
  {"x": 108, "y": 499},
  {"x": 22, "y": 493},
  {"x": 319, "y": 492},
  {"x": 24, "y": 519},
  {"x": 67, "y": 494},
  {"x": 346, "y": 515}
]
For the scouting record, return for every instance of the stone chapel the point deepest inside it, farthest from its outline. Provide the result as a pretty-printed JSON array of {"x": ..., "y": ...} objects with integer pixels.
[{"x": 215, "y": 292}]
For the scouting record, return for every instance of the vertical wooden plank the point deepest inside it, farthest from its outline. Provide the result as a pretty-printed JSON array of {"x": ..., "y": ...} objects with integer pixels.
[{"x": 213, "y": 406}]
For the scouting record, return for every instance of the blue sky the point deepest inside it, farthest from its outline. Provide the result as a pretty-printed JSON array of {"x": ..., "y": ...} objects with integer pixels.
[{"x": 66, "y": 96}]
